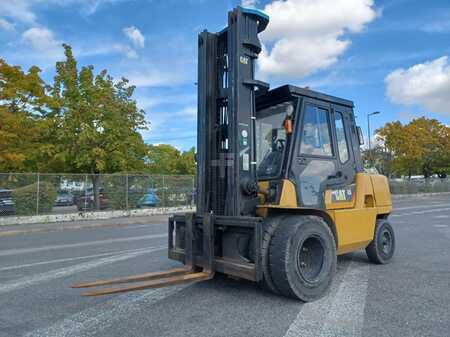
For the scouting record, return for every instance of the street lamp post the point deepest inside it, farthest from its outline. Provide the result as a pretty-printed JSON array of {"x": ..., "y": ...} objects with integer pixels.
[{"x": 370, "y": 135}]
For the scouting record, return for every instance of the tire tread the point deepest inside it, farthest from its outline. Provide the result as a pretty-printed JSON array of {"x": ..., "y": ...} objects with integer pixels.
[{"x": 279, "y": 256}]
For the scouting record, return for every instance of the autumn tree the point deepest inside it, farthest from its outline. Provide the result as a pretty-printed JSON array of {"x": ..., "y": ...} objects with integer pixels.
[
  {"x": 99, "y": 122},
  {"x": 419, "y": 147},
  {"x": 25, "y": 127}
]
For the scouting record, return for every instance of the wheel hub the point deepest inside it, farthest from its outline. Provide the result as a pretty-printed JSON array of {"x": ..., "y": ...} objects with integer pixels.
[
  {"x": 310, "y": 258},
  {"x": 386, "y": 242}
]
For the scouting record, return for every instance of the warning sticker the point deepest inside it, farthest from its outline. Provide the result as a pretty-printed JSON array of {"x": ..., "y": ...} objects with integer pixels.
[{"x": 246, "y": 162}]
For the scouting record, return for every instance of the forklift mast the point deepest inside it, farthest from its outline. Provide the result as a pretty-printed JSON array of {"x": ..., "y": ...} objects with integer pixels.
[{"x": 226, "y": 156}]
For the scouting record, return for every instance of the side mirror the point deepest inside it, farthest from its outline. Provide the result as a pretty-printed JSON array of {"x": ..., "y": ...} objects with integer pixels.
[{"x": 360, "y": 135}]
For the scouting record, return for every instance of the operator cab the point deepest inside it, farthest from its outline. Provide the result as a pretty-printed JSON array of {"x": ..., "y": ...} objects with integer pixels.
[{"x": 308, "y": 138}]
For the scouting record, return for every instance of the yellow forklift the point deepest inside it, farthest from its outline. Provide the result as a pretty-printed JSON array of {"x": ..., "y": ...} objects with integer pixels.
[{"x": 281, "y": 189}]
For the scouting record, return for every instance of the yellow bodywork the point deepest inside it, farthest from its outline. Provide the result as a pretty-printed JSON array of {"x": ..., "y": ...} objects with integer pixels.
[{"x": 354, "y": 217}]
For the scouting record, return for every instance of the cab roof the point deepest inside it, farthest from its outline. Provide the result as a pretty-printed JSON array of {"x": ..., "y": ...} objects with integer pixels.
[{"x": 292, "y": 90}]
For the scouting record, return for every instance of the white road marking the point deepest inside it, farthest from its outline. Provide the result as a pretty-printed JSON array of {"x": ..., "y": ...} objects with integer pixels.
[
  {"x": 140, "y": 226},
  {"x": 80, "y": 244},
  {"x": 341, "y": 313},
  {"x": 28, "y": 281},
  {"x": 97, "y": 318},
  {"x": 441, "y": 216},
  {"x": 441, "y": 226},
  {"x": 422, "y": 212},
  {"x": 28, "y": 265},
  {"x": 421, "y": 206}
]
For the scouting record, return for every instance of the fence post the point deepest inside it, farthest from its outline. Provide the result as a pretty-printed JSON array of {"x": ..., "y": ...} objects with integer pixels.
[
  {"x": 126, "y": 192},
  {"x": 164, "y": 192},
  {"x": 85, "y": 192},
  {"x": 193, "y": 194},
  {"x": 37, "y": 194}
]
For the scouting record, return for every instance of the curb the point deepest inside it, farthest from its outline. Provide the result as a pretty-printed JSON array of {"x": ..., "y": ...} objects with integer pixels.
[
  {"x": 62, "y": 228},
  {"x": 101, "y": 215}
]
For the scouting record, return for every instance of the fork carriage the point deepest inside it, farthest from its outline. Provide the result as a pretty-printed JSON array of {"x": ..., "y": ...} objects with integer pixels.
[{"x": 218, "y": 243}]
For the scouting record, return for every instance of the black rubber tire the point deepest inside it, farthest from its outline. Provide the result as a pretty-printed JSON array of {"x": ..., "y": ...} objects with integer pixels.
[
  {"x": 380, "y": 251},
  {"x": 298, "y": 239},
  {"x": 270, "y": 224}
]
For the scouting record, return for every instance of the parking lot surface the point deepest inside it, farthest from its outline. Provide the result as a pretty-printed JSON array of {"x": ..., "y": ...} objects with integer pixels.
[{"x": 409, "y": 297}]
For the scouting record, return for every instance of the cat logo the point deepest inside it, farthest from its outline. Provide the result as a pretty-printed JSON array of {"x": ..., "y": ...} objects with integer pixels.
[
  {"x": 340, "y": 195},
  {"x": 244, "y": 59}
]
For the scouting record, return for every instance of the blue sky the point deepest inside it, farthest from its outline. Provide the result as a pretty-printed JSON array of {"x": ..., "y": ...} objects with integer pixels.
[{"x": 391, "y": 55}]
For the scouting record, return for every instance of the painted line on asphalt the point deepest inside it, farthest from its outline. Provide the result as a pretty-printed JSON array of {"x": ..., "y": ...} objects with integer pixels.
[
  {"x": 96, "y": 319},
  {"x": 421, "y": 206},
  {"x": 422, "y": 212},
  {"x": 441, "y": 216},
  {"x": 18, "y": 251},
  {"x": 341, "y": 313},
  {"x": 28, "y": 281},
  {"x": 28, "y": 265},
  {"x": 443, "y": 229}
]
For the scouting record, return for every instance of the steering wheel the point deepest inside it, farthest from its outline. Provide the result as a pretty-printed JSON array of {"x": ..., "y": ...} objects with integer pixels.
[{"x": 279, "y": 144}]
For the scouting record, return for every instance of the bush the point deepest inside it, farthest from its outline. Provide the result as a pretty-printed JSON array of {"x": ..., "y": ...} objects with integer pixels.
[
  {"x": 115, "y": 188},
  {"x": 25, "y": 198}
]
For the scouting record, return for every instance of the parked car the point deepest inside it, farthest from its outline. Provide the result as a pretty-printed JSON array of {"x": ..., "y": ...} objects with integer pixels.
[
  {"x": 7, "y": 206},
  {"x": 64, "y": 199},
  {"x": 150, "y": 199},
  {"x": 86, "y": 201}
]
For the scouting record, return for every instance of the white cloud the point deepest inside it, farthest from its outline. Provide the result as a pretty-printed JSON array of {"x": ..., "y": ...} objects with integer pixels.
[
  {"x": 151, "y": 101},
  {"x": 17, "y": 10},
  {"x": 154, "y": 78},
  {"x": 41, "y": 39},
  {"x": 96, "y": 48},
  {"x": 249, "y": 3},
  {"x": 308, "y": 36},
  {"x": 135, "y": 36},
  {"x": 426, "y": 84},
  {"x": 442, "y": 26},
  {"x": 22, "y": 10},
  {"x": 189, "y": 112},
  {"x": 126, "y": 50},
  {"x": 5, "y": 25}
]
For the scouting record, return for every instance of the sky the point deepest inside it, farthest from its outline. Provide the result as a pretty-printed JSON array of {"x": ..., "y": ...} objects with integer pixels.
[{"x": 391, "y": 56}]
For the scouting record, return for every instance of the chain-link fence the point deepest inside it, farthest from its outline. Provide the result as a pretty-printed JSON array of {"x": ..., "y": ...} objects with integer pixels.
[
  {"x": 41, "y": 194},
  {"x": 414, "y": 186}
]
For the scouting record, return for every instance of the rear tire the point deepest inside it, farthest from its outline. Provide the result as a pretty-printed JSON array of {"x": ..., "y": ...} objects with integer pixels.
[
  {"x": 302, "y": 257},
  {"x": 382, "y": 248}
]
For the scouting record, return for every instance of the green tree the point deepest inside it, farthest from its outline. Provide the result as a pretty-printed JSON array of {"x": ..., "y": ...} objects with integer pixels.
[
  {"x": 166, "y": 159},
  {"x": 99, "y": 122},
  {"x": 187, "y": 164},
  {"x": 382, "y": 159}
]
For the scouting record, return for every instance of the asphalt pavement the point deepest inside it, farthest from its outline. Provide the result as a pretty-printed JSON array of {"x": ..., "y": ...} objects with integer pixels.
[{"x": 409, "y": 297}]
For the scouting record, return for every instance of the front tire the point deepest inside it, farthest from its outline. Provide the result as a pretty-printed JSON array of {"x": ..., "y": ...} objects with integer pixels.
[
  {"x": 303, "y": 257},
  {"x": 382, "y": 248},
  {"x": 270, "y": 225}
]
